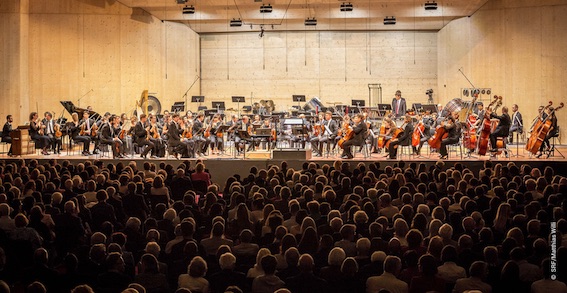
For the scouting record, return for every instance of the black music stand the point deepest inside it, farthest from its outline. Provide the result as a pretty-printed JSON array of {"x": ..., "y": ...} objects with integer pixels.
[
  {"x": 298, "y": 99},
  {"x": 222, "y": 129},
  {"x": 383, "y": 108},
  {"x": 431, "y": 108},
  {"x": 198, "y": 99},
  {"x": 517, "y": 155},
  {"x": 244, "y": 135},
  {"x": 357, "y": 104},
  {"x": 178, "y": 107},
  {"x": 219, "y": 106},
  {"x": 238, "y": 100}
]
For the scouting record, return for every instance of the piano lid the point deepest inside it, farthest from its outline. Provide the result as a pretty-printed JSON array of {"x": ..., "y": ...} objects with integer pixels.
[{"x": 71, "y": 108}]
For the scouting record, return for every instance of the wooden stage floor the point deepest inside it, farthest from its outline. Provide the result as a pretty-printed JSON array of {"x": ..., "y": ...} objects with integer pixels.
[{"x": 224, "y": 166}]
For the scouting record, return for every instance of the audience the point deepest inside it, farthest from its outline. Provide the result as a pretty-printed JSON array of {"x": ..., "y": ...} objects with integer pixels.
[{"x": 91, "y": 227}]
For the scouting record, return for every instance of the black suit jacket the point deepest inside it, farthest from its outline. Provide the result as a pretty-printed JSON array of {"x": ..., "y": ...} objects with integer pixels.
[
  {"x": 359, "y": 132},
  {"x": 503, "y": 128},
  {"x": 406, "y": 135},
  {"x": 140, "y": 133},
  {"x": 6, "y": 131},
  {"x": 106, "y": 133},
  {"x": 403, "y": 107},
  {"x": 173, "y": 133}
]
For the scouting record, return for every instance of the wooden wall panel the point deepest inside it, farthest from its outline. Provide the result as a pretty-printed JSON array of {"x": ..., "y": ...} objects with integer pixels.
[
  {"x": 313, "y": 63},
  {"x": 518, "y": 48}
]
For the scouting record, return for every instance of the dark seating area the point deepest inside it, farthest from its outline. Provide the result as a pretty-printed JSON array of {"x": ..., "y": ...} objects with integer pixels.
[{"x": 104, "y": 227}]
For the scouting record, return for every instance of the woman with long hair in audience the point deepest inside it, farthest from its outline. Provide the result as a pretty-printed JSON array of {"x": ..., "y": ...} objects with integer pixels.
[
  {"x": 501, "y": 221},
  {"x": 309, "y": 242},
  {"x": 159, "y": 193}
]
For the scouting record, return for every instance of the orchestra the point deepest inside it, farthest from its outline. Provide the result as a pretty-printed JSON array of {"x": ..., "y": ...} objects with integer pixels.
[{"x": 192, "y": 134}]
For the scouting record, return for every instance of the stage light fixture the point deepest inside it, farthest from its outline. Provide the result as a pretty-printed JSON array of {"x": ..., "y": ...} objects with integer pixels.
[
  {"x": 266, "y": 8},
  {"x": 181, "y": 1},
  {"x": 189, "y": 9},
  {"x": 310, "y": 21},
  {"x": 430, "y": 5},
  {"x": 390, "y": 20},
  {"x": 236, "y": 22},
  {"x": 346, "y": 6}
]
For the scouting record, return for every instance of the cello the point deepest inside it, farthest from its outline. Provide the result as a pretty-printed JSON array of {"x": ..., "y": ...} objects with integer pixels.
[
  {"x": 381, "y": 137},
  {"x": 347, "y": 132},
  {"x": 440, "y": 134},
  {"x": 487, "y": 127},
  {"x": 417, "y": 133},
  {"x": 396, "y": 134},
  {"x": 543, "y": 131}
]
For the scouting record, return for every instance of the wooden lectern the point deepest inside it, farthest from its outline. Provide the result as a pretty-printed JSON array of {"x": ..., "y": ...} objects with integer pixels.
[{"x": 21, "y": 141}]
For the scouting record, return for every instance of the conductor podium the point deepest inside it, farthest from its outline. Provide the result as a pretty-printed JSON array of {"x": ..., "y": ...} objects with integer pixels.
[{"x": 21, "y": 141}]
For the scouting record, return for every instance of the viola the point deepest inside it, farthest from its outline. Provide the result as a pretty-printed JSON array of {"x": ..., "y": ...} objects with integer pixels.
[{"x": 57, "y": 129}]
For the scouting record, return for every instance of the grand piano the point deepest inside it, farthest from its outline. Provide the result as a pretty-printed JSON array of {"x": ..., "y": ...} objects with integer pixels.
[{"x": 71, "y": 108}]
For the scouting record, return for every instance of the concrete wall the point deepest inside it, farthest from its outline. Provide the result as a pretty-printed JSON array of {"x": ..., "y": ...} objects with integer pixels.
[
  {"x": 314, "y": 64},
  {"x": 71, "y": 47},
  {"x": 518, "y": 48}
]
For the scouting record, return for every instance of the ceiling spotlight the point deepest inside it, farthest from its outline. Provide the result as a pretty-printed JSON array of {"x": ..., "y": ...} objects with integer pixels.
[
  {"x": 266, "y": 8},
  {"x": 189, "y": 9},
  {"x": 389, "y": 20},
  {"x": 346, "y": 6},
  {"x": 310, "y": 21},
  {"x": 236, "y": 22},
  {"x": 430, "y": 5}
]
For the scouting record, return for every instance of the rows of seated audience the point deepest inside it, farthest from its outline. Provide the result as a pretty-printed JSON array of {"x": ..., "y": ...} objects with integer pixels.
[{"x": 92, "y": 227}]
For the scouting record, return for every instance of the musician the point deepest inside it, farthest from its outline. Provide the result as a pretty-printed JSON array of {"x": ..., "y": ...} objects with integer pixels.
[
  {"x": 50, "y": 132},
  {"x": 155, "y": 138},
  {"x": 6, "y": 132},
  {"x": 403, "y": 139},
  {"x": 399, "y": 106},
  {"x": 87, "y": 127},
  {"x": 359, "y": 129},
  {"x": 216, "y": 137},
  {"x": 549, "y": 114},
  {"x": 440, "y": 111},
  {"x": 126, "y": 128},
  {"x": 74, "y": 132},
  {"x": 503, "y": 128},
  {"x": 517, "y": 123},
  {"x": 240, "y": 142},
  {"x": 479, "y": 111},
  {"x": 109, "y": 135},
  {"x": 390, "y": 127},
  {"x": 141, "y": 135},
  {"x": 426, "y": 134},
  {"x": 37, "y": 133},
  {"x": 327, "y": 135},
  {"x": 232, "y": 124},
  {"x": 302, "y": 138},
  {"x": 257, "y": 120},
  {"x": 453, "y": 127},
  {"x": 174, "y": 138},
  {"x": 201, "y": 143}
]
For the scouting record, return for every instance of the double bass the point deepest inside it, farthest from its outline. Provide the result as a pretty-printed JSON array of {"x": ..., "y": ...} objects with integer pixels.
[
  {"x": 534, "y": 129},
  {"x": 487, "y": 127},
  {"x": 470, "y": 138},
  {"x": 542, "y": 132}
]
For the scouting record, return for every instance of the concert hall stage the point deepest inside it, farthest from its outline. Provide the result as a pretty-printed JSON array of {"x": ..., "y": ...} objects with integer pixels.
[{"x": 222, "y": 167}]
